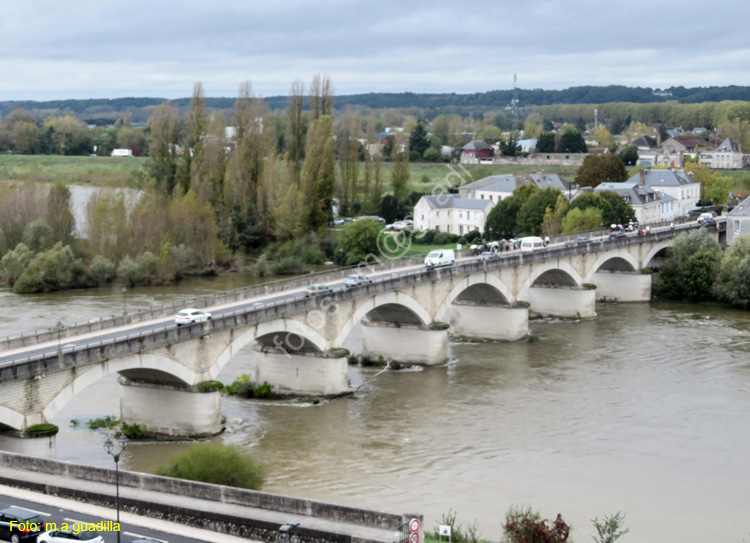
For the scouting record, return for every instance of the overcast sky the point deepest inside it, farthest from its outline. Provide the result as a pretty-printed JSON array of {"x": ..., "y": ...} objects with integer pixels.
[{"x": 105, "y": 49}]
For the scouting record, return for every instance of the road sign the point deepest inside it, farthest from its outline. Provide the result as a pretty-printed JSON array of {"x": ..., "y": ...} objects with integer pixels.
[
  {"x": 414, "y": 525},
  {"x": 444, "y": 529},
  {"x": 414, "y": 538}
]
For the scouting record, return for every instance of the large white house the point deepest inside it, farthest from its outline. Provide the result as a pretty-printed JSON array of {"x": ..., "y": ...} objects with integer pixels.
[
  {"x": 645, "y": 201},
  {"x": 727, "y": 156},
  {"x": 493, "y": 188},
  {"x": 451, "y": 213},
  {"x": 738, "y": 221},
  {"x": 681, "y": 186}
]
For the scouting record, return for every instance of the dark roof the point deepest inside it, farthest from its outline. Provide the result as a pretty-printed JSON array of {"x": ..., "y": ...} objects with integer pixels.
[
  {"x": 728, "y": 146},
  {"x": 633, "y": 192},
  {"x": 495, "y": 183},
  {"x": 474, "y": 145},
  {"x": 663, "y": 178},
  {"x": 645, "y": 141},
  {"x": 453, "y": 201},
  {"x": 544, "y": 180},
  {"x": 691, "y": 141},
  {"x": 742, "y": 210}
]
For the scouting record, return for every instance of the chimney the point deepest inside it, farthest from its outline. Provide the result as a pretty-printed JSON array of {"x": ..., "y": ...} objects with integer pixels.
[{"x": 643, "y": 177}]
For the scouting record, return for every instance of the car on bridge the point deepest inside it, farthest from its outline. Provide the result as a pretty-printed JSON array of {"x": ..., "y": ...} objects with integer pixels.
[
  {"x": 487, "y": 255},
  {"x": 191, "y": 316},
  {"x": 18, "y": 524},
  {"x": 65, "y": 536},
  {"x": 356, "y": 279},
  {"x": 314, "y": 290},
  {"x": 706, "y": 218},
  {"x": 616, "y": 234}
]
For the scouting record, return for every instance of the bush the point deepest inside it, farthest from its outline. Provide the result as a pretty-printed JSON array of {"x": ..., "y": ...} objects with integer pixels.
[
  {"x": 129, "y": 272},
  {"x": 526, "y": 526},
  {"x": 218, "y": 464},
  {"x": 210, "y": 386},
  {"x": 289, "y": 265},
  {"x": 425, "y": 238},
  {"x": 40, "y": 430},
  {"x": 432, "y": 155},
  {"x": 38, "y": 236},
  {"x": 52, "y": 270},
  {"x": 132, "y": 431},
  {"x": 415, "y": 156},
  {"x": 109, "y": 422},
  {"x": 462, "y": 240},
  {"x": 101, "y": 270},
  {"x": 473, "y": 236},
  {"x": 441, "y": 238}
]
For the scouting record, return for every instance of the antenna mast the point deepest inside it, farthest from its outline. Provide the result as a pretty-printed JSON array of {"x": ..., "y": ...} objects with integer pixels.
[{"x": 514, "y": 103}]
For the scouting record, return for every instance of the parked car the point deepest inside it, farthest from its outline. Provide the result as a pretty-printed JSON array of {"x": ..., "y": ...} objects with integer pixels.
[
  {"x": 31, "y": 524},
  {"x": 65, "y": 536},
  {"x": 314, "y": 290},
  {"x": 191, "y": 316},
  {"x": 486, "y": 255},
  {"x": 338, "y": 222},
  {"x": 399, "y": 225},
  {"x": 706, "y": 218},
  {"x": 441, "y": 257},
  {"x": 616, "y": 234},
  {"x": 356, "y": 280},
  {"x": 582, "y": 240}
]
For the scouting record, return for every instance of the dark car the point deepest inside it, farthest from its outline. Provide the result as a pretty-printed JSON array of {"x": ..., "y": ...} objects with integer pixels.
[
  {"x": 616, "y": 234},
  {"x": 27, "y": 525},
  {"x": 582, "y": 240}
]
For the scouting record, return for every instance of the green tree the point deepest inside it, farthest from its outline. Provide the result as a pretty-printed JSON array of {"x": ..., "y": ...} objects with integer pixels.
[
  {"x": 672, "y": 275},
  {"x": 545, "y": 143},
  {"x": 715, "y": 187},
  {"x": 14, "y": 263},
  {"x": 614, "y": 207},
  {"x": 131, "y": 138},
  {"x": 101, "y": 270},
  {"x": 503, "y": 217},
  {"x": 59, "y": 216},
  {"x": 700, "y": 273},
  {"x": 582, "y": 220},
  {"x": 531, "y": 214},
  {"x": 553, "y": 217},
  {"x": 629, "y": 155},
  {"x": 400, "y": 176},
  {"x": 418, "y": 139},
  {"x": 196, "y": 126},
  {"x": 162, "y": 152},
  {"x": 318, "y": 176},
  {"x": 216, "y": 463},
  {"x": 598, "y": 169},
  {"x": 296, "y": 128},
  {"x": 38, "y": 236},
  {"x": 571, "y": 141},
  {"x": 360, "y": 239},
  {"x": 732, "y": 283},
  {"x": 55, "y": 269}
]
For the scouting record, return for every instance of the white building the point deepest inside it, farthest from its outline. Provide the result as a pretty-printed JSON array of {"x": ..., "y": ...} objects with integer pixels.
[
  {"x": 738, "y": 221},
  {"x": 493, "y": 188},
  {"x": 727, "y": 156},
  {"x": 679, "y": 185},
  {"x": 645, "y": 201},
  {"x": 451, "y": 213},
  {"x": 667, "y": 207}
]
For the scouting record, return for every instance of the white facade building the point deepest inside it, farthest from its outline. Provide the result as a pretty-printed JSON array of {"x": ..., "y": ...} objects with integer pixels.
[
  {"x": 681, "y": 186},
  {"x": 451, "y": 213},
  {"x": 645, "y": 201},
  {"x": 493, "y": 188},
  {"x": 727, "y": 156},
  {"x": 738, "y": 221}
]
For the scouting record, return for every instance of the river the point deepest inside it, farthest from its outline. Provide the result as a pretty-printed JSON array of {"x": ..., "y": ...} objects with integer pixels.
[{"x": 644, "y": 410}]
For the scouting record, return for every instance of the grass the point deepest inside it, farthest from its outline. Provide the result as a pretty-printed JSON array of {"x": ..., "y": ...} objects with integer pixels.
[{"x": 71, "y": 170}]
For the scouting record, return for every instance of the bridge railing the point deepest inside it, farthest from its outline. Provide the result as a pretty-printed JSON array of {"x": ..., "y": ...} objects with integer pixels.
[{"x": 126, "y": 343}]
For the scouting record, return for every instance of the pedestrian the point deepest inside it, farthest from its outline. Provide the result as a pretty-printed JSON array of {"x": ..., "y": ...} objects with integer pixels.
[{"x": 546, "y": 240}]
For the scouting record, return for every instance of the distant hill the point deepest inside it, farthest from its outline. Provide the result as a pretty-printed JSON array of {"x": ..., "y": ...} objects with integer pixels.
[{"x": 108, "y": 110}]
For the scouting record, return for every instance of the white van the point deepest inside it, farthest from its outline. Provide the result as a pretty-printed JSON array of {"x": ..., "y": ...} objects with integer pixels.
[
  {"x": 531, "y": 244},
  {"x": 441, "y": 257}
]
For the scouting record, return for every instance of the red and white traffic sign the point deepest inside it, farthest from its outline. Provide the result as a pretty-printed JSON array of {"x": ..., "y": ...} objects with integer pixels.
[
  {"x": 414, "y": 527},
  {"x": 414, "y": 538}
]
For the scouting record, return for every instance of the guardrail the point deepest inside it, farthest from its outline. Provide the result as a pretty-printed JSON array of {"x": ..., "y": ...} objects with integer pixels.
[{"x": 89, "y": 352}]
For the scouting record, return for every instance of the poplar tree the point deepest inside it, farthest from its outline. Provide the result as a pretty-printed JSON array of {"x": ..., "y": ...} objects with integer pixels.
[
  {"x": 162, "y": 152},
  {"x": 295, "y": 139},
  {"x": 196, "y": 125}
]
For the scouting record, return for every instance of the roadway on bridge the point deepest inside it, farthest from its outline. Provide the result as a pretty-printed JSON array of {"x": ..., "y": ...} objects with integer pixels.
[{"x": 73, "y": 343}]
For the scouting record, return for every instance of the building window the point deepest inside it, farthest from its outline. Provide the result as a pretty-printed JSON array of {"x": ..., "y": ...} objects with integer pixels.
[{"x": 736, "y": 225}]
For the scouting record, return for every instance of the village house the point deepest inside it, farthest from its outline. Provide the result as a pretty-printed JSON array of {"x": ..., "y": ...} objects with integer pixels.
[
  {"x": 681, "y": 186},
  {"x": 727, "y": 156},
  {"x": 645, "y": 201},
  {"x": 493, "y": 188},
  {"x": 675, "y": 149},
  {"x": 738, "y": 221},
  {"x": 451, "y": 213},
  {"x": 476, "y": 151}
]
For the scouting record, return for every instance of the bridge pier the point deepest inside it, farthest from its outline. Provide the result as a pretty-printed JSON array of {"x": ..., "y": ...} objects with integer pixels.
[
  {"x": 622, "y": 287},
  {"x": 170, "y": 409},
  {"x": 30, "y": 445},
  {"x": 410, "y": 343},
  {"x": 487, "y": 320},
  {"x": 564, "y": 302},
  {"x": 306, "y": 373}
]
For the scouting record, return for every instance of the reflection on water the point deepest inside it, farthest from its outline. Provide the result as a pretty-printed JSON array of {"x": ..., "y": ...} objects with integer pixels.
[{"x": 644, "y": 410}]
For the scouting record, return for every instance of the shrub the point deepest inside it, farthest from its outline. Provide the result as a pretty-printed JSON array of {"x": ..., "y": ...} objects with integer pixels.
[
  {"x": 149, "y": 265},
  {"x": 462, "y": 240},
  {"x": 101, "y": 270},
  {"x": 432, "y": 155},
  {"x": 38, "y": 236},
  {"x": 109, "y": 422},
  {"x": 210, "y": 386},
  {"x": 415, "y": 156},
  {"x": 52, "y": 270},
  {"x": 425, "y": 238},
  {"x": 608, "y": 530},
  {"x": 473, "y": 236},
  {"x": 441, "y": 238},
  {"x": 129, "y": 272},
  {"x": 216, "y": 463},
  {"x": 40, "y": 430},
  {"x": 527, "y": 526},
  {"x": 289, "y": 265},
  {"x": 132, "y": 431}
]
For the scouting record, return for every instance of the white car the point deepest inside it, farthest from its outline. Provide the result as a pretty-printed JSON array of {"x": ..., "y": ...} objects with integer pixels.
[
  {"x": 190, "y": 316},
  {"x": 357, "y": 279},
  {"x": 66, "y": 536}
]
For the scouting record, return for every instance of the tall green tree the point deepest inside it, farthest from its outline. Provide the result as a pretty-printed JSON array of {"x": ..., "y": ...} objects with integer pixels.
[
  {"x": 502, "y": 219},
  {"x": 732, "y": 283},
  {"x": 162, "y": 152},
  {"x": 348, "y": 154},
  {"x": 571, "y": 141},
  {"x": 596, "y": 169},
  {"x": 296, "y": 128},
  {"x": 674, "y": 276},
  {"x": 59, "y": 215},
  {"x": 531, "y": 214},
  {"x": 196, "y": 126},
  {"x": 545, "y": 143},
  {"x": 318, "y": 175},
  {"x": 400, "y": 176},
  {"x": 418, "y": 139}
]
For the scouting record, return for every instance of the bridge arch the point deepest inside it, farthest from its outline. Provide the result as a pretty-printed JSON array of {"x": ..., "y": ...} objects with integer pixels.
[
  {"x": 621, "y": 260},
  {"x": 473, "y": 280},
  {"x": 380, "y": 300},
  {"x": 156, "y": 367},
  {"x": 11, "y": 418},
  {"x": 551, "y": 267},
  {"x": 656, "y": 249},
  {"x": 280, "y": 327}
]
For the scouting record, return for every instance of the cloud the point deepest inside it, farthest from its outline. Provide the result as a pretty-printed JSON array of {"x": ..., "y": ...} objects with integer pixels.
[{"x": 83, "y": 49}]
